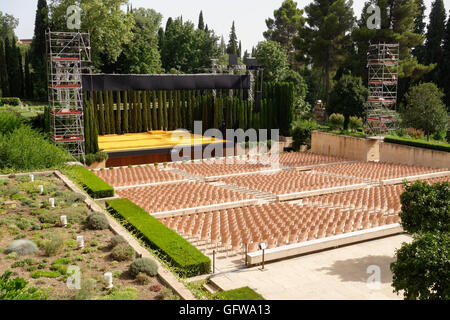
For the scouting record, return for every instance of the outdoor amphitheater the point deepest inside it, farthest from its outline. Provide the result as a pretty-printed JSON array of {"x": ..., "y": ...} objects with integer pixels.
[{"x": 227, "y": 207}]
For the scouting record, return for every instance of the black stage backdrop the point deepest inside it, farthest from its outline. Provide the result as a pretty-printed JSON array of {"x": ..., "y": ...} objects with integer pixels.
[{"x": 118, "y": 82}]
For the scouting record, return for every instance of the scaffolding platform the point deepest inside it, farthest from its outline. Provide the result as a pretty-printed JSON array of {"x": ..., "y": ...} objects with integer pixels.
[
  {"x": 68, "y": 54},
  {"x": 381, "y": 106}
]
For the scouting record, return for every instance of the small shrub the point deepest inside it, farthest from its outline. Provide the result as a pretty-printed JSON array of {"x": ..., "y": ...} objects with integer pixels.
[
  {"x": 123, "y": 252},
  {"x": 126, "y": 294},
  {"x": 143, "y": 279},
  {"x": 167, "y": 294},
  {"x": 4, "y": 181},
  {"x": 143, "y": 265},
  {"x": 45, "y": 274},
  {"x": 337, "y": 121},
  {"x": 53, "y": 244},
  {"x": 97, "y": 221},
  {"x": 355, "y": 123},
  {"x": 16, "y": 289},
  {"x": 415, "y": 134},
  {"x": 156, "y": 288},
  {"x": 116, "y": 240},
  {"x": 22, "y": 247},
  {"x": 97, "y": 157},
  {"x": 301, "y": 132},
  {"x": 87, "y": 291}
]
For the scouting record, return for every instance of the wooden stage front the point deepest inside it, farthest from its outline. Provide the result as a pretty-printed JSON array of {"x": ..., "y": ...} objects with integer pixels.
[{"x": 154, "y": 146}]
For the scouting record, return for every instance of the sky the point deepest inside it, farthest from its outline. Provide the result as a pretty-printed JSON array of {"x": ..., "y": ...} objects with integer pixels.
[{"x": 249, "y": 15}]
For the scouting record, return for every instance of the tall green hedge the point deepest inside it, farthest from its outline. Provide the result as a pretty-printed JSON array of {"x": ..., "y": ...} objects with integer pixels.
[{"x": 140, "y": 111}]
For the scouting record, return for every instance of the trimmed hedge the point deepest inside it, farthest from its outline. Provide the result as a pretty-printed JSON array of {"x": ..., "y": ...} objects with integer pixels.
[
  {"x": 10, "y": 101},
  {"x": 188, "y": 260},
  {"x": 94, "y": 186},
  {"x": 418, "y": 143},
  {"x": 244, "y": 293}
]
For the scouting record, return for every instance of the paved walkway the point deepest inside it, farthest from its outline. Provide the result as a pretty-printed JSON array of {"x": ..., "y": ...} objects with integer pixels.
[{"x": 339, "y": 274}]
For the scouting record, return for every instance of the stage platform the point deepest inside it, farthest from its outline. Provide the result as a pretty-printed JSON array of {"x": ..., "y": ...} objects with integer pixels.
[{"x": 151, "y": 147}]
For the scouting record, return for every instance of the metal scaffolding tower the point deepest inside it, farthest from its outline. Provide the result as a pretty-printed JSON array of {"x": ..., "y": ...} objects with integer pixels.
[
  {"x": 383, "y": 61},
  {"x": 68, "y": 55}
]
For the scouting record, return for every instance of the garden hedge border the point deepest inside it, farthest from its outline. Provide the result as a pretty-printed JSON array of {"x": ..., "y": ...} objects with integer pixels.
[
  {"x": 187, "y": 259},
  {"x": 418, "y": 143},
  {"x": 244, "y": 293},
  {"x": 10, "y": 101},
  {"x": 94, "y": 186}
]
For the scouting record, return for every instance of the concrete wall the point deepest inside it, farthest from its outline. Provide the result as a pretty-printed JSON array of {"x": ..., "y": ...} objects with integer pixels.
[
  {"x": 375, "y": 150},
  {"x": 345, "y": 146},
  {"x": 396, "y": 153}
]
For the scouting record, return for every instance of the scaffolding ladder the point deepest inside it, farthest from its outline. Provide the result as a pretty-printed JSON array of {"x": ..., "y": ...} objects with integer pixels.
[
  {"x": 381, "y": 106},
  {"x": 68, "y": 56}
]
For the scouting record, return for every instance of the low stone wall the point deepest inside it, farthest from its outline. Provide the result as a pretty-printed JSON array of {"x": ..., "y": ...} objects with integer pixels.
[
  {"x": 345, "y": 146},
  {"x": 396, "y": 153}
]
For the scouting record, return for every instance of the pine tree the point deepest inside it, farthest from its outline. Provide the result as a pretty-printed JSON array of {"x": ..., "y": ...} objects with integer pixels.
[
  {"x": 38, "y": 50},
  {"x": 201, "y": 22},
  {"x": 435, "y": 36},
  {"x": 4, "y": 82},
  {"x": 223, "y": 46},
  {"x": 232, "y": 47}
]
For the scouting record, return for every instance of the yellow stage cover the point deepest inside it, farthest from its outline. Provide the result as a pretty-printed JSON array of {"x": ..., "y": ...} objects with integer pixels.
[{"x": 152, "y": 140}]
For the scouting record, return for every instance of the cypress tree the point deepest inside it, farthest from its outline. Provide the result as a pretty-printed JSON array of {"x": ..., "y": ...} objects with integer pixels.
[
  {"x": 435, "y": 36},
  {"x": 107, "y": 114},
  {"x": 149, "y": 111},
  {"x": 28, "y": 81},
  {"x": 201, "y": 22},
  {"x": 160, "y": 112},
  {"x": 112, "y": 113},
  {"x": 126, "y": 116},
  {"x": 12, "y": 67},
  {"x": 4, "y": 82},
  {"x": 135, "y": 113},
  {"x": 119, "y": 114},
  {"x": 87, "y": 127},
  {"x": 175, "y": 110},
  {"x": 154, "y": 114},
  {"x": 166, "y": 111},
  {"x": 139, "y": 111},
  {"x": 101, "y": 116},
  {"x": 445, "y": 68},
  {"x": 20, "y": 73},
  {"x": 144, "y": 112},
  {"x": 38, "y": 50},
  {"x": 170, "y": 107}
]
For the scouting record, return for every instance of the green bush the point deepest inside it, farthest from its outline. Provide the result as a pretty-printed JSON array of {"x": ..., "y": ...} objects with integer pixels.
[
  {"x": 355, "y": 123},
  {"x": 53, "y": 244},
  {"x": 17, "y": 289},
  {"x": 22, "y": 247},
  {"x": 123, "y": 252},
  {"x": 94, "y": 186},
  {"x": 97, "y": 221},
  {"x": 425, "y": 207},
  {"x": 9, "y": 122},
  {"x": 25, "y": 150},
  {"x": 189, "y": 260},
  {"x": 97, "y": 157},
  {"x": 10, "y": 102},
  {"x": 337, "y": 121},
  {"x": 419, "y": 143},
  {"x": 244, "y": 293},
  {"x": 421, "y": 268},
  {"x": 45, "y": 274},
  {"x": 143, "y": 265},
  {"x": 301, "y": 132},
  {"x": 168, "y": 294},
  {"x": 116, "y": 240},
  {"x": 143, "y": 278},
  {"x": 126, "y": 294}
]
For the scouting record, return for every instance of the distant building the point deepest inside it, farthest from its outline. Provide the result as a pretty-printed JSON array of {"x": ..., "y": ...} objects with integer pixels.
[{"x": 25, "y": 41}]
